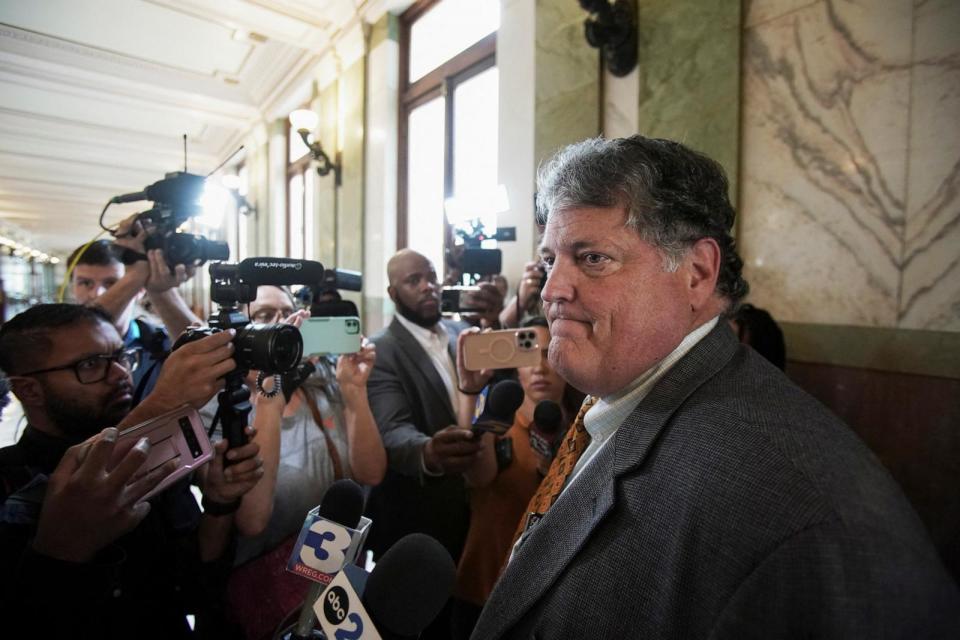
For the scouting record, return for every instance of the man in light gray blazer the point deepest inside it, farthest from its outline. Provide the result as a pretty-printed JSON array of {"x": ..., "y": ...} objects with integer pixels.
[{"x": 715, "y": 499}]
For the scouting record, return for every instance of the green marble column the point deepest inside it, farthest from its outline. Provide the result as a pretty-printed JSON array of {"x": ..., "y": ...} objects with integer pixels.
[{"x": 689, "y": 63}]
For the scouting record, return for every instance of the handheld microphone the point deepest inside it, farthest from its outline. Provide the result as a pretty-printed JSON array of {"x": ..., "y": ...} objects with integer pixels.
[
  {"x": 499, "y": 407},
  {"x": 325, "y": 545},
  {"x": 544, "y": 430},
  {"x": 279, "y": 271},
  {"x": 176, "y": 186},
  {"x": 388, "y": 604}
]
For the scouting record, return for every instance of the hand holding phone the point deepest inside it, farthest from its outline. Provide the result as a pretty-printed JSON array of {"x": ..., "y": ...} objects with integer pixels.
[
  {"x": 177, "y": 436},
  {"x": 505, "y": 349},
  {"x": 331, "y": 334}
]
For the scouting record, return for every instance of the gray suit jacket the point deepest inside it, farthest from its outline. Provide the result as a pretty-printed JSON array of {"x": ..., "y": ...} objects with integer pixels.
[
  {"x": 729, "y": 504},
  {"x": 410, "y": 403}
]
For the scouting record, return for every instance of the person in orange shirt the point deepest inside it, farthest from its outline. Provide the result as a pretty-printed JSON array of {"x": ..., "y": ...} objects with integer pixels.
[{"x": 502, "y": 484}]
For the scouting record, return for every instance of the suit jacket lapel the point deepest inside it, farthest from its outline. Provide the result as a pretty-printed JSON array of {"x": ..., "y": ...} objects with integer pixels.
[
  {"x": 421, "y": 360},
  {"x": 550, "y": 547},
  {"x": 568, "y": 524},
  {"x": 638, "y": 433}
]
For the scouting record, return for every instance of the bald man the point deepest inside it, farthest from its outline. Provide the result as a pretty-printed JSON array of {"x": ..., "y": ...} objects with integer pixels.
[{"x": 413, "y": 395}]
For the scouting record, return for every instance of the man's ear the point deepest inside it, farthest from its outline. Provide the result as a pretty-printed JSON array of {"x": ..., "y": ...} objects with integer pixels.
[
  {"x": 392, "y": 292},
  {"x": 702, "y": 265},
  {"x": 28, "y": 390}
]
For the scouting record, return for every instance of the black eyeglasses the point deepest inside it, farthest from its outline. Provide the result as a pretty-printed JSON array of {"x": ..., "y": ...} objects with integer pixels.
[{"x": 94, "y": 368}]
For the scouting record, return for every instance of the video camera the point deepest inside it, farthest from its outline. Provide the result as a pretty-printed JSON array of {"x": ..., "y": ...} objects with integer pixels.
[
  {"x": 273, "y": 349},
  {"x": 323, "y": 297},
  {"x": 175, "y": 200},
  {"x": 473, "y": 263}
]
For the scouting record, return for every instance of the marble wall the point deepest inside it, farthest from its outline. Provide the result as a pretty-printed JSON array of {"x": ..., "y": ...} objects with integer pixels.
[
  {"x": 689, "y": 75},
  {"x": 850, "y": 207},
  {"x": 549, "y": 97}
]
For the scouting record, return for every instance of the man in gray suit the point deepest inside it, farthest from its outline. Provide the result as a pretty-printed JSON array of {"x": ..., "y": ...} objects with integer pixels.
[
  {"x": 413, "y": 392},
  {"x": 715, "y": 499}
]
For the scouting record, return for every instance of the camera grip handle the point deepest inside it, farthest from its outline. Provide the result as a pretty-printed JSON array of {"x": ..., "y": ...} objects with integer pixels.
[{"x": 234, "y": 410}]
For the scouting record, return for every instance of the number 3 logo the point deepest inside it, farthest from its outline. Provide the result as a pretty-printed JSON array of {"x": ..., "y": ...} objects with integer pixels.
[{"x": 324, "y": 547}]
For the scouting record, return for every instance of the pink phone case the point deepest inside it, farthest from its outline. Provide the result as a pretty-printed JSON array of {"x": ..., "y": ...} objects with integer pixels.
[
  {"x": 178, "y": 433},
  {"x": 505, "y": 349}
]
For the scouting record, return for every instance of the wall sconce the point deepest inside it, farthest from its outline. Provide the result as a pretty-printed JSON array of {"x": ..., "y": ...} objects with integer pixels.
[
  {"x": 305, "y": 121},
  {"x": 612, "y": 28}
]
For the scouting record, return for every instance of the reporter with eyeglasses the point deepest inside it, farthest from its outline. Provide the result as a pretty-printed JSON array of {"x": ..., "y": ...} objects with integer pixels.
[{"x": 81, "y": 551}]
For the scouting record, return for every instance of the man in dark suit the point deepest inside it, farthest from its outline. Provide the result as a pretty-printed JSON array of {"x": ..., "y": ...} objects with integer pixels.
[
  {"x": 703, "y": 495},
  {"x": 413, "y": 396}
]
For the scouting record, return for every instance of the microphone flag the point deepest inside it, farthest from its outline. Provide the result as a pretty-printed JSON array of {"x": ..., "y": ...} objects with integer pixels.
[
  {"x": 324, "y": 547},
  {"x": 340, "y": 607}
]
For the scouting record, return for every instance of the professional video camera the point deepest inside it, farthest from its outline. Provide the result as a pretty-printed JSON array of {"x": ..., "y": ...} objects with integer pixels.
[
  {"x": 472, "y": 262},
  {"x": 175, "y": 200},
  {"x": 273, "y": 349}
]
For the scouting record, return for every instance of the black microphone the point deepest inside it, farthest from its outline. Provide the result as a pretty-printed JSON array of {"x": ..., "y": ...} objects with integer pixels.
[
  {"x": 387, "y": 603},
  {"x": 342, "y": 504},
  {"x": 501, "y": 404},
  {"x": 343, "y": 279},
  {"x": 401, "y": 607},
  {"x": 136, "y": 196},
  {"x": 279, "y": 271},
  {"x": 177, "y": 186},
  {"x": 546, "y": 423}
]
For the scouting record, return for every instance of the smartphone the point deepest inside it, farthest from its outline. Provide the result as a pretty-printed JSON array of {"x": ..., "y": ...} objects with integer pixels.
[
  {"x": 505, "y": 349},
  {"x": 331, "y": 334},
  {"x": 458, "y": 299},
  {"x": 176, "y": 434}
]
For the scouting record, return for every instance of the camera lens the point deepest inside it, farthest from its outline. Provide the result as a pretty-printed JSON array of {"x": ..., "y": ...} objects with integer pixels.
[
  {"x": 189, "y": 249},
  {"x": 272, "y": 348}
]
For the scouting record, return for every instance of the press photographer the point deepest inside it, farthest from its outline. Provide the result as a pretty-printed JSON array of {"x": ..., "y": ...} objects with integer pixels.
[
  {"x": 74, "y": 519},
  {"x": 473, "y": 287},
  {"x": 317, "y": 430},
  {"x": 148, "y": 257}
]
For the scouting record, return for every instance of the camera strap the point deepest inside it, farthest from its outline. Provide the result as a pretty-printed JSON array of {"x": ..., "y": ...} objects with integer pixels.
[{"x": 331, "y": 446}]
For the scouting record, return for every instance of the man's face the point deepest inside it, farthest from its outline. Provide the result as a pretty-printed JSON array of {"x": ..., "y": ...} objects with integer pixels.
[
  {"x": 91, "y": 280},
  {"x": 613, "y": 311},
  {"x": 77, "y": 409},
  {"x": 415, "y": 290},
  {"x": 272, "y": 305}
]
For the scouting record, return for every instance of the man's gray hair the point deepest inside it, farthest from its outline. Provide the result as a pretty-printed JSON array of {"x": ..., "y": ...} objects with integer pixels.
[{"x": 673, "y": 196}]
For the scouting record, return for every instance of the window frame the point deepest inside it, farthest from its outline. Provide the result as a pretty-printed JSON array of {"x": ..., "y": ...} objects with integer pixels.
[{"x": 441, "y": 81}]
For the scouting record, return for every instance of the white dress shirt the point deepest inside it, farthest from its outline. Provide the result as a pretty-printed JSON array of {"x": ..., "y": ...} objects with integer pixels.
[{"x": 435, "y": 342}]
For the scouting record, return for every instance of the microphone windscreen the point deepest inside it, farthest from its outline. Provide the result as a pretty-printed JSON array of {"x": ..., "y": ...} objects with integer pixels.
[
  {"x": 279, "y": 271},
  {"x": 504, "y": 400},
  {"x": 547, "y": 416},
  {"x": 409, "y": 586},
  {"x": 342, "y": 503}
]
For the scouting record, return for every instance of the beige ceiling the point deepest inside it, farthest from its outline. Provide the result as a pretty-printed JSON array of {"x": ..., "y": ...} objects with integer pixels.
[{"x": 98, "y": 93}]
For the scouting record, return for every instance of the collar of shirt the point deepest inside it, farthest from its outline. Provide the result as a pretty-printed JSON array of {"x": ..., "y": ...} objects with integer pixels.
[
  {"x": 605, "y": 417},
  {"x": 609, "y": 412},
  {"x": 133, "y": 333}
]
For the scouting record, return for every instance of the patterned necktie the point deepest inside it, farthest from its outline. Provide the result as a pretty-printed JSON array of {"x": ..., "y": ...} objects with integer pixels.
[{"x": 573, "y": 445}]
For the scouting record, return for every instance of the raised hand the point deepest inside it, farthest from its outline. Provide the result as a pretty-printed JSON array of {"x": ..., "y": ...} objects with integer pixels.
[{"x": 87, "y": 506}]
